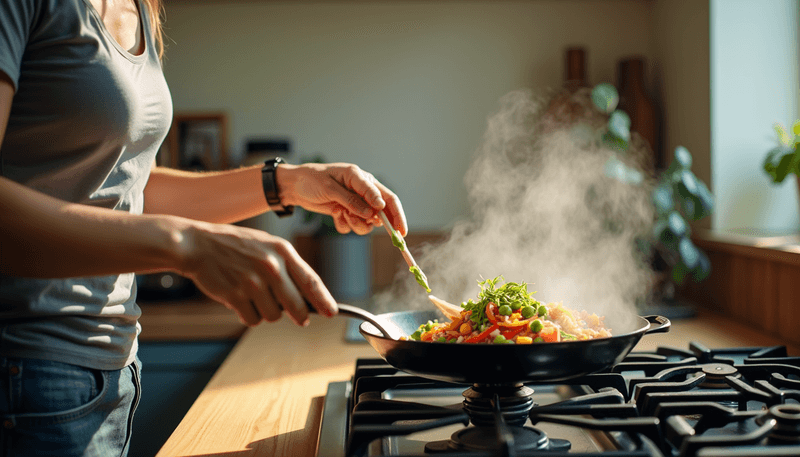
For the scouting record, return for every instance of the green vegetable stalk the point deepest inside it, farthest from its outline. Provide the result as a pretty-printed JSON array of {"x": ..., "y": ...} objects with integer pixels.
[{"x": 422, "y": 280}]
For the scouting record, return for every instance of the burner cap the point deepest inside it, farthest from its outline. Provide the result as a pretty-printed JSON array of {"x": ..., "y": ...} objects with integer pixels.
[
  {"x": 787, "y": 424},
  {"x": 716, "y": 374}
]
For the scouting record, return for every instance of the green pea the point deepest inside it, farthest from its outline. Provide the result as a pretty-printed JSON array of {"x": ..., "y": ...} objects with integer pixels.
[
  {"x": 416, "y": 335},
  {"x": 505, "y": 310},
  {"x": 542, "y": 310},
  {"x": 538, "y": 339},
  {"x": 516, "y": 305},
  {"x": 527, "y": 311},
  {"x": 536, "y": 326},
  {"x": 442, "y": 339},
  {"x": 499, "y": 339},
  {"x": 452, "y": 340}
]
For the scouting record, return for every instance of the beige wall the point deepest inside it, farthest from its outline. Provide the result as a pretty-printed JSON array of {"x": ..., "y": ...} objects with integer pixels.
[
  {"x": 403, "y": 88},
  {"x": 681, "y": 74}
]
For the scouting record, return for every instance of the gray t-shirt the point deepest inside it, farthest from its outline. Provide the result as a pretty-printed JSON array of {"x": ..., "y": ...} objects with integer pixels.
[{"x": 86, "y": 122}]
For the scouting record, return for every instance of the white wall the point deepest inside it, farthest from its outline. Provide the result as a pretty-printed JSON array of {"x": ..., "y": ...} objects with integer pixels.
[
  {"x": 402, "y": 88},
  {"x": 754, "y": 70}
]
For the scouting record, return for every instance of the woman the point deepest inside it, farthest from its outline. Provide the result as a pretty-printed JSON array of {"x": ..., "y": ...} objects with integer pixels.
[{"x": 83, "y": 110}]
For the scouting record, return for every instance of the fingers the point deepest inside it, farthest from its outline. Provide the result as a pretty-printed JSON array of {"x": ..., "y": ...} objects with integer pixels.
[
  {"x": 310, "y": 285},
  {"x": 257, "y": 275},
  {"x": 394, "y": 210}
]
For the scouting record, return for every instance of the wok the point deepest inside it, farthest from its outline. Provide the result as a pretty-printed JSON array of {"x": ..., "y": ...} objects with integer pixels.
[{"x": 503, "y": 363}]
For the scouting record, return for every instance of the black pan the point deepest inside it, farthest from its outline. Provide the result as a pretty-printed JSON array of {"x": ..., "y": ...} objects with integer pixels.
[{"x": 501, "y": 364}]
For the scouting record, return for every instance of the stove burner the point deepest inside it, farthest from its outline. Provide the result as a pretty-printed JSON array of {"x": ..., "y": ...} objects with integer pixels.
[
  {"x": 787, "y": 424},
  {"x": 515, "y": 403},
  {"x": 484, "y": 439},
  {"x": 716, "y": 374}
]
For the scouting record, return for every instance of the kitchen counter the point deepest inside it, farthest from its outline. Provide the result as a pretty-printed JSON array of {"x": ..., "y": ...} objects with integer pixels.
[
  {"x": 190, "y": 319},
  {"x": 267, "y": 397}
]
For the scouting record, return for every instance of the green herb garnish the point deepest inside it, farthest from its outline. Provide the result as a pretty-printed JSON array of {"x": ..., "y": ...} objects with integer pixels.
[{"x": 511, "y": 294}]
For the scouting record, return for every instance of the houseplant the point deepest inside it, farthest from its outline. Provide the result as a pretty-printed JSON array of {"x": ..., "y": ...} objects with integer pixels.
[
  {"x": 784, "y": 159},
  {"x": 678, "y": 197}
]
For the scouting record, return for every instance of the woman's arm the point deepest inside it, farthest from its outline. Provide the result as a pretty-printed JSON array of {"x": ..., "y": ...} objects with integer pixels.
[
  {"x": 214, "y": 196},
  {"x": 352, "y": 196}
]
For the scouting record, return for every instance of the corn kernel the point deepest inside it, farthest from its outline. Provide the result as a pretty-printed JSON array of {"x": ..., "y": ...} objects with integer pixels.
[{"x": 524, "y": 340}]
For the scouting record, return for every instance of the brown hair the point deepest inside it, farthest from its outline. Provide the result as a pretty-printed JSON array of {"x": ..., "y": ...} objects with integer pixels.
[{"x": 155, "y": 9}]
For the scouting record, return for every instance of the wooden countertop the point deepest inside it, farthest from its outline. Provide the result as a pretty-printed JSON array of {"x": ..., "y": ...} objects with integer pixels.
[
  {"x": 267, "y": 397},
  {"x": 190, "y": 319}
]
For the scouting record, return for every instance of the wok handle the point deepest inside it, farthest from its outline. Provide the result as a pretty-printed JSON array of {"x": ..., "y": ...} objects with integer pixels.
[
  {"x": 358, "y": 313},
  {"x": 662, "y": 328}
]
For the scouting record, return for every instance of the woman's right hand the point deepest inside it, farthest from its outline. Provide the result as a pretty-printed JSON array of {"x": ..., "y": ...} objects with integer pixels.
[{"x": 253, "y": 273}]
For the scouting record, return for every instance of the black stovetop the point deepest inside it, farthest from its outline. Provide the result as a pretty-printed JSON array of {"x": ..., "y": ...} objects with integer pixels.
[{"x": 694, "y": 402}]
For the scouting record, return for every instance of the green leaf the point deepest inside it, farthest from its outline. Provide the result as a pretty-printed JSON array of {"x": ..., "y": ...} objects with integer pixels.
[
  {"x": 616, "y": 169},
  {"x": 679, "y": 272},
  {"x": 706, "y": 199},
  {"x": 784, "y": 168},
  {"x": 614, "y": 143},
  {"x": 689, "y": 206},
  {"x": 605, "y": 97},
  {"x": 662, "y": 199},
  {"x": 687, "y": 186},
  {"x": 683, "y": 157},
  {"x": 659, "y": 227},
  {"x": 690, "y": 255},
  {"x": 783, "y": 137},
  {"x": 677, "y": 225},
  {"x": 619, "y": 125}
]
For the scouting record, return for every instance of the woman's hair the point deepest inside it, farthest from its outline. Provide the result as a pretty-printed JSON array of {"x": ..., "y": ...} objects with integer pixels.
[{"x": 156, "y": 11}]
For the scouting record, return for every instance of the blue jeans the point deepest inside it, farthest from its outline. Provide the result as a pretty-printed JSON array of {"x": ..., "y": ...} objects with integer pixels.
[{"x": 53, "y": 408}]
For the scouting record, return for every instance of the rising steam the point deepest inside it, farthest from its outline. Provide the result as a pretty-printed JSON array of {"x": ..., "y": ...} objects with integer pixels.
[{"x": 543, "y": 211}]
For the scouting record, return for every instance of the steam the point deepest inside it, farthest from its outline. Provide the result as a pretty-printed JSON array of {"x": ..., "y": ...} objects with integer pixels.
[{"x": 543, "y": 211}]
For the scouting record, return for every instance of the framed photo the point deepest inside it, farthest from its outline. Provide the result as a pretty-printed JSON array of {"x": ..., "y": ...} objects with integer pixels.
[{"x": 196, "y": 141}]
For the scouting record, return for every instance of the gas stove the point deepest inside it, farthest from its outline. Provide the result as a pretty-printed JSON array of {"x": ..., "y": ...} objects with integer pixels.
[{"x": 695, "y": 402}]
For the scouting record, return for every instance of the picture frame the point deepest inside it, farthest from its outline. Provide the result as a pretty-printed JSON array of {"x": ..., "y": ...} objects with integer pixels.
[{"x": 196, "y": 141}]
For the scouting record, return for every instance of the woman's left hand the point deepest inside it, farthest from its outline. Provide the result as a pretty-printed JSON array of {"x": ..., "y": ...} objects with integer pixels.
[{"x": 351, "y": 195}]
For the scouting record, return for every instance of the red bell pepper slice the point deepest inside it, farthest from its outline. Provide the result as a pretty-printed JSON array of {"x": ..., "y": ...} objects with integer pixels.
[
  {"x": 483, "y": 335},
  {"x": 491, "y": 310},
  {"x": 512, "y": 332}
]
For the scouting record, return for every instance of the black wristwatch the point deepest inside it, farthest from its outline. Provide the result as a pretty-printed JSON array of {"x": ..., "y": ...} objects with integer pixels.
[{"x": 271, "y": 188}]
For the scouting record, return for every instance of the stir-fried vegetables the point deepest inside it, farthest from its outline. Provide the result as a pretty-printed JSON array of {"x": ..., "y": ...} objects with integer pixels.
[{"x": 508, "y": 314}]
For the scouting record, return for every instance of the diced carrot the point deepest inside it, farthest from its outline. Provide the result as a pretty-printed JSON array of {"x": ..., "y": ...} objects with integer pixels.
[
  {"x": 549, "y": 334},
  {"x": 427, "y": 336}
]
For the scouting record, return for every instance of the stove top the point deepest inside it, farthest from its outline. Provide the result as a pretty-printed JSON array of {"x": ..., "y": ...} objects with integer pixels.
[{"x": 672, "y": 402}]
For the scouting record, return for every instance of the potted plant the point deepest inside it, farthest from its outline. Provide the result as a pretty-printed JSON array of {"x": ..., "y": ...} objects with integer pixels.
[
  {"x": 678, "y": 197},
  {"x": 784, "y": 159}
]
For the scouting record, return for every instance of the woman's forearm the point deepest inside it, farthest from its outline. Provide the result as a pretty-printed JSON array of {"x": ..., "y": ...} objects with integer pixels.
[
  {"x": 41, "y": 236},
  {"x": 220, "y": 197}
]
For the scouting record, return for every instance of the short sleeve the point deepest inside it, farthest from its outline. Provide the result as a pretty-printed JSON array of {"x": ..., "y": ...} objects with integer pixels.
[{"x": 16, "y": 22}]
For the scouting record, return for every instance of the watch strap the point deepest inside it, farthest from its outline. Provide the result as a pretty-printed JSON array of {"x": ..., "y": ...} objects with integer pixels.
[{"x": 270, "y": 185}]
